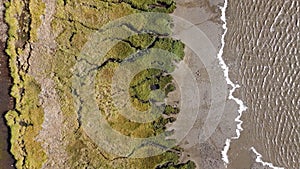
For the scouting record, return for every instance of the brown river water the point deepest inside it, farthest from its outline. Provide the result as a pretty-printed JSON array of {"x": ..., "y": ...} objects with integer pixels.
[
  {"x": 262, "y": 51},
  {"x": 6, "y": 102}
]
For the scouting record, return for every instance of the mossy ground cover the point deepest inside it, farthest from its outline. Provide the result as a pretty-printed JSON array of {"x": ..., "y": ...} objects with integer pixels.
[
  {"x": 27, "y": 117},
  {"x": 73, "y": 22},
  {"x": 140, "y": 88}
]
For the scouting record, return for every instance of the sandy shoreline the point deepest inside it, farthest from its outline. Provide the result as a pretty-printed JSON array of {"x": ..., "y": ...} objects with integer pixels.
[{"x": 206, "y": 16}]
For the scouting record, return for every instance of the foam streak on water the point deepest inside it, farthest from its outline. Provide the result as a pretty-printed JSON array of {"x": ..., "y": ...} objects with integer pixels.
[
  {"x": 259, "y": 160},
  {"x": 234, "y": 86}
]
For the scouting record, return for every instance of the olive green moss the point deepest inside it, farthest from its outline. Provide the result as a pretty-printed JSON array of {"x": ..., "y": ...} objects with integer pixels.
[
  {"x": 170, "y": 110},
  {"x": 166, "y": 6},
  {"x": 25, "y": 123},
  {"x": 27, "y": 126},
  {"x": 140, "y": 87},
  {"x": 74, "y": 21},
  {"x": 26, "y": 119},
  {"x": 141, "y": 41},
  {"x": 13, "y": 9},
  {"x": 170, "y": 165},
  {"x": 36, "y": 8}
]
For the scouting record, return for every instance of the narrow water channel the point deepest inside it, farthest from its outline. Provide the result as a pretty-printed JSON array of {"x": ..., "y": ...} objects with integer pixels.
[{"x": 6, "y": 103}]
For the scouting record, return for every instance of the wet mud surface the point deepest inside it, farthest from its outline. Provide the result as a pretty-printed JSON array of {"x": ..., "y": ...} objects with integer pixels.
[{"x": 262, "y": 51}]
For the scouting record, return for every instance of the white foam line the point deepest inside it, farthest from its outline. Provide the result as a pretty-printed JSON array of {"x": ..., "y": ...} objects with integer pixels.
[
  {"x": 234, "y": 86},
  {"x": 224, "y": 152},
  {"x": 259, "y": 160}
]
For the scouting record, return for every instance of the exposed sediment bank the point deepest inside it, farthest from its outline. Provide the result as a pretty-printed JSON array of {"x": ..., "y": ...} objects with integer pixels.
[{"x": 209, "y": 17}]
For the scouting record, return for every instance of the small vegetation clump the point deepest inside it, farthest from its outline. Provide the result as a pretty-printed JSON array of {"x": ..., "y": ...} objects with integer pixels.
[
  {"x": 166, "y": 6},
  {"x": 145, "y": 82}
]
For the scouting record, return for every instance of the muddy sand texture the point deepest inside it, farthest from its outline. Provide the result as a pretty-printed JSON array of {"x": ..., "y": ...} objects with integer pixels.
[
  {"x": 206, "y": 16},
  {"x": 262, "y": 51}
]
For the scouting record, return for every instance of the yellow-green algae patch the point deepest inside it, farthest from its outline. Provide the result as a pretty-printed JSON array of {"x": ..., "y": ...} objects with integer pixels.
[
  {"x": 73, "y": 23},
  {"x": 27, "y": 117},
  {"x": 25, "y": 123},
  {"x": 36, "y": 8}
]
